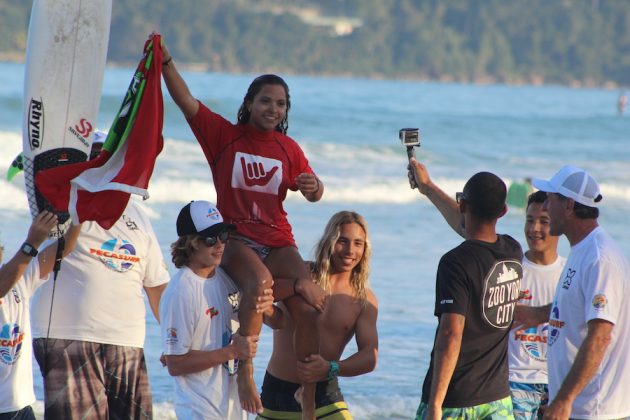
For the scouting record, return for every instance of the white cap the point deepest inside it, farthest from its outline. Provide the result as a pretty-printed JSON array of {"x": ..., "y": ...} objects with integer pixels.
[
  {"x": 201, "y": 218},
  {"x": 573, "y": 183},
  {"x": 99, "y": 137}
]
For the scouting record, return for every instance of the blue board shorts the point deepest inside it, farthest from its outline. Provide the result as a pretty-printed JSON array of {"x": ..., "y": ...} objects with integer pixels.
[{"x": 527, "y": 399}]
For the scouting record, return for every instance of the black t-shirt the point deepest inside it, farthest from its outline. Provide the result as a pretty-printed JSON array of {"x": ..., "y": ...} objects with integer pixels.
[{"x": 480, "y": 281}]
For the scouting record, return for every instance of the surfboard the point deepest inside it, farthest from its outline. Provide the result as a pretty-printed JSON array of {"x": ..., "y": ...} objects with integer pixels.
[{"x": 65, "y": 65}]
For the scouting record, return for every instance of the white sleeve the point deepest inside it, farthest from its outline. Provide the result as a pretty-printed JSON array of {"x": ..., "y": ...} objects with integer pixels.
[
  {"x": 603, "y": 294},
  {"x": 156, "y": 272},
  {"x": 31, "y": 276},
  {"x": 177, "y": 322}
]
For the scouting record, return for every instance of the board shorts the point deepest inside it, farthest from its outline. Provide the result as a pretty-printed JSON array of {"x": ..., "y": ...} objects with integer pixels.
[
  {"x": 93, "y": 380},
  {"x": 24, "y": 414},
  {"x": 278, "y": 399},
  {"x": 262, "y": 251},
  {"x": 527, "y": 399},
  {"x": 494, "y": 410}
]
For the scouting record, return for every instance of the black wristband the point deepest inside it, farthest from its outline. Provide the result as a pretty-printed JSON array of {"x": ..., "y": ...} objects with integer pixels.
[
  {"x": 28, "y": 249},
  {"x": 166, "y": 62}
]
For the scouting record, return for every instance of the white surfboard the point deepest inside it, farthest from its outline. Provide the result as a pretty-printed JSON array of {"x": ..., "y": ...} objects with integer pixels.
[{"x": 65, "y": 65}]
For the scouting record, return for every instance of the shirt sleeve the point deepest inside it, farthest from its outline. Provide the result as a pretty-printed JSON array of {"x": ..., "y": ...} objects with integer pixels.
[
  {"x": 156, "y": 272},
  {"x": 452, "y": 291},
  {"x": 31, "y": 276},
  {"x": 176, "y": 322},
  {"x": 299, "y": 163},
  {"x": 603, "y": 296},
  {"x": 208, "y": 128}
]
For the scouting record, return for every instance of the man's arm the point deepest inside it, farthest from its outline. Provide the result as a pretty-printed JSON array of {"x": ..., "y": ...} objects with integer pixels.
[
  {"x": 177, "y": 87},
  {"x": 154, "y": 294},
  {"x": 446, "y": 205},
  {"x": 530, "y": 316},
  {"x": 587, "y": 361},
  {"x": 315, "y": 367},
  {"x": 199, "y": 360},
  {"x": 12, "y": 271},
  {"x": 446, "y": 353}
]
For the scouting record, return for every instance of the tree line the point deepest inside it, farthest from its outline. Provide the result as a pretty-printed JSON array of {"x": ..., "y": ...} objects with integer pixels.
[{"x": 521, "y": 41}]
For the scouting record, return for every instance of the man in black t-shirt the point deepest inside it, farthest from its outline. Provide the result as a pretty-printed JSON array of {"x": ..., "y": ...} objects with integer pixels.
[{"x": 477, "y": 288}]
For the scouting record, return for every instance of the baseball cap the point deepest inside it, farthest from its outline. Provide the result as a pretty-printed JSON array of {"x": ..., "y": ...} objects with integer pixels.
[
  {"x": 574, "y": 183},
  {"x": 99, "y": 137},
  {"x": 201, "y": 218}
]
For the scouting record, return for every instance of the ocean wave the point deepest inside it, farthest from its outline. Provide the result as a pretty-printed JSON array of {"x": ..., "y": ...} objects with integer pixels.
[{"x": 351, "y": 174}]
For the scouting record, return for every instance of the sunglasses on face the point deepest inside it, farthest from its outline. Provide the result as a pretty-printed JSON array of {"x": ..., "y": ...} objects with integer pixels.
[
  {"x": 459, "y": 196},
  {"x": 212, "y": 240}
]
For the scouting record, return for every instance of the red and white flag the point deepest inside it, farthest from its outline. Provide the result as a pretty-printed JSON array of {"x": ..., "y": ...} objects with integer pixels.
[{"x": 99, "y": 189}]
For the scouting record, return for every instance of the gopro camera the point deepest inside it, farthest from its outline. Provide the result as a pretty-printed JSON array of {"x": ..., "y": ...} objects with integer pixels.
[{"x": 409, "y": 137}]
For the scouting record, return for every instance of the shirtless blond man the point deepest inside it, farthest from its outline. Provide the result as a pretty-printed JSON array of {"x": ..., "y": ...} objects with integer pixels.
[{"x": 341, "y": 268}]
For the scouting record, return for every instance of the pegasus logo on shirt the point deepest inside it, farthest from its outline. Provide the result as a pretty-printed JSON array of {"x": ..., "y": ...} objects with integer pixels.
[
  {"x": 256, "y": 173},
  {"x": 117, "y": 254},
  {"x": 10, "y": 343},
  {"x": 534, "y": 343},
  {"x": 555, "y": 324}
]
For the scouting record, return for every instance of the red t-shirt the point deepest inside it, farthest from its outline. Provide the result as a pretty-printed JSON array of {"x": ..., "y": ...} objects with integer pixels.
[{"x": 252, "y": 171}]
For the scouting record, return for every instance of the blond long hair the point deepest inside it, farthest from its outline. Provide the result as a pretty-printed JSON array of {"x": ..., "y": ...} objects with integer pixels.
[{"x": 324, "y": 250}]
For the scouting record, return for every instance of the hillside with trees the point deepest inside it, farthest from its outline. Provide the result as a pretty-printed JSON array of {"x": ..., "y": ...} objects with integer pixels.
[{"x": 581, "y": 42}]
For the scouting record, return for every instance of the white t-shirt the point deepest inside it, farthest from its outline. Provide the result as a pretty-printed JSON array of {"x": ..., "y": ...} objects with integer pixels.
[
  {"x": 595, "y": 284},
  {"x": 202, "y": 314},
  {"x": 99, "y": 290},
  {"x": 527, "y": 353},
  {"x": 16, "y": 349}
]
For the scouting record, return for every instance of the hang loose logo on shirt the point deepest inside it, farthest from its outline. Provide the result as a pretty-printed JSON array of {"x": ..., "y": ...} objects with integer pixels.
[{"x": 256, "y": 173}]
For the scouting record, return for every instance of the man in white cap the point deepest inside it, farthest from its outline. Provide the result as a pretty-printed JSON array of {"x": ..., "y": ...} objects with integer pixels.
[{"x": 589, "y": 319}]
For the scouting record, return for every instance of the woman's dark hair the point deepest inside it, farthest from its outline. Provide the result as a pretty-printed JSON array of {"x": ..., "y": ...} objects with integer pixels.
[{"x": 252, "y": 91}]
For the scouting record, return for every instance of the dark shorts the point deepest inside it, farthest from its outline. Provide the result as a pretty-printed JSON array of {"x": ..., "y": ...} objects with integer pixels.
[
  {"x": 92, "y": 380},
  {"x": 278, "y": 399},
  {"x": 24, "y": 414},
  {"x": 262, "y": 251}
]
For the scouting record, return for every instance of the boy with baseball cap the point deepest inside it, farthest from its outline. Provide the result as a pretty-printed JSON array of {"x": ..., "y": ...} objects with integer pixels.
[{"x": 199, "y": 319}]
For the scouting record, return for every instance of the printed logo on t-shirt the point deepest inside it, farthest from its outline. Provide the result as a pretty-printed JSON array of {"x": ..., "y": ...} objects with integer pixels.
[
  {"x": 524, "y": 295},
  {"x": 555, "y": 324},
  {"x": 600, "y": 301},
  {"x": 231, "y": 365},
  {"x": 256, "y": 173},
  {"x": 11, "y": 338},
  {"x": 171, "y": 336},
  {"x": 117, "y": 254},
  {"x": 568, "y": 278},
  {"x": 502, "y": 287},
  {"x": 534, "y": 342},
  {"x": 234, "y": 299},
  {"x": 212, "y": 312},
  {"x": 129, "y": 222}
]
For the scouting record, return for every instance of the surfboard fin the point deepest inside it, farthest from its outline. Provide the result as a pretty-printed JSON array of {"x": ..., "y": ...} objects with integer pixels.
[{"x": 16, "y": 167}]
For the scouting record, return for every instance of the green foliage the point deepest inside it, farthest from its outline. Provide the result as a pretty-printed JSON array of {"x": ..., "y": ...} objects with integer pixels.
[{"x": 552, "y": 41}]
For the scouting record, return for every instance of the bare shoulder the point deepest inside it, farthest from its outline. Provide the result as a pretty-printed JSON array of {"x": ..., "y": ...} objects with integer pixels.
[{"x": 371, "y": 297}]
